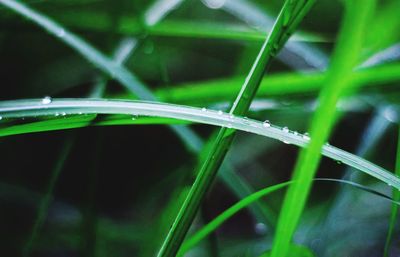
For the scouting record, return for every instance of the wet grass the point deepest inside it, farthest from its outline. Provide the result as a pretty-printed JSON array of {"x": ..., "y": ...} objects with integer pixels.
[{"x": 146, "y": 71}]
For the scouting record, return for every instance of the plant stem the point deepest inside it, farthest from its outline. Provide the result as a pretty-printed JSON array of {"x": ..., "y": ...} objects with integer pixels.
[
  {"x": 345, "y": 58},
  {"x": 280, "y": 33}
]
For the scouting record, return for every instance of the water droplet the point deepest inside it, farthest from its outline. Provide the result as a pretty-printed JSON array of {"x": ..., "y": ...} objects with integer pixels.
[
  {"x": 46, "y": 100},
  {"x": 1, "y": 118},
  {"x": 285, "y": 129},
  {"x": 266, "y": 124},
  {"x": 61, "y": 33},
  {"x": 286, "y": 142},
  {"x": 220, "y": 112},
  {"x": 246, "y": 120},
  {"x": 204, "y": 109},
  {"x": 338, "y": 162},
  {"x": 63, "y": 114},
  {"x": 214, "y": 4},
  {"x": 80, "y": 113},
  {"x": 306, "y": 136},
  {"x": 260, "y": 228},
  {"x": 56, "y": 114}
]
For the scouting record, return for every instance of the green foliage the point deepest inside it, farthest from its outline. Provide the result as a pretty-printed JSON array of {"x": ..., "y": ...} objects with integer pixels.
[
  {"x": 192, "y": 67},
  {"x": 344, "y": 60}
]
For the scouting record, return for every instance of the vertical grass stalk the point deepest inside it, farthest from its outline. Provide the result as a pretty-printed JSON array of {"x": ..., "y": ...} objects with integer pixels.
[
  {"x": 281, "y": 31},
  {"x": 345, "y": 58}
]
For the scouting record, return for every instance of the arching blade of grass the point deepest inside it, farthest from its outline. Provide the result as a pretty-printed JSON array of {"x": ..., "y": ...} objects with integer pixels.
[
  {"x": 345, "y": 58},
  {"x": 216, "y": 222},
  {"x": 284, "y": 84},
  {"x": 395, "y": 207},
  {"x": 107, "y": 65},
  {"x": 192, "y": 141},
  {"x": 280, "y": 33},
  {"x": 35, "y": 108},
  {"x": 231, "y": 211}
]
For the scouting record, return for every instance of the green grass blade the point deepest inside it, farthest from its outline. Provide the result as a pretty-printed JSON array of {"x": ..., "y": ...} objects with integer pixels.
[
  {"x": 395, "y": 207},
  {"x": 278, "y": 36},
  {"x": 345, "y": 58},
  {"x": 107, "y": 65},
  {"x": 262, "y": 213},
  {"x": 231, "y": 211},
  {"x": 35, "y": 108},
  {"x": 216, "y": 222},
  {"x": 251, "y": 13},
  {"x": 111, "y": 67},
  {"x": 276, "y": 85}
]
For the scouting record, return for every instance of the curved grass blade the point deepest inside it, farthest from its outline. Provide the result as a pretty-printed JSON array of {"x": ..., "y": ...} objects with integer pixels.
[
  {"x": 395, "y": 208},
  {"x": 35, "y": 108},
  {"x": 231, "y": 211},
  {"x": 112, "y": 67},
  {"x": 280, "y": 33},
  {"x": 345, "y": 58}
]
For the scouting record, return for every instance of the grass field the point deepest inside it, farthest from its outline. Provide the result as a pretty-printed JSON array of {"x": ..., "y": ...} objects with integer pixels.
[{"x": 199, "y": 128}]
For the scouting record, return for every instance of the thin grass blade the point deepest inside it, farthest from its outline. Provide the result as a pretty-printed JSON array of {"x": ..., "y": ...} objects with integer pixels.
[
  {"x": 35, "y": 108},
  {"x": 345, "y": 58},
  {"x": 231, "y": 211},
  {"x": 280, "y": 33}
]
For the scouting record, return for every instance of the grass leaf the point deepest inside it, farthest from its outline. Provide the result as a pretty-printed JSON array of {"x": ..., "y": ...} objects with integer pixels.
[
  {"x": 111, "y": 67},
  {"x": 280, "y": 33},
  {"x": 231, "y": 211},
  {"x": 276, "y": 85},
  {"x": 345, "y": 58},
  {"x": 35, "y": 108}
]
